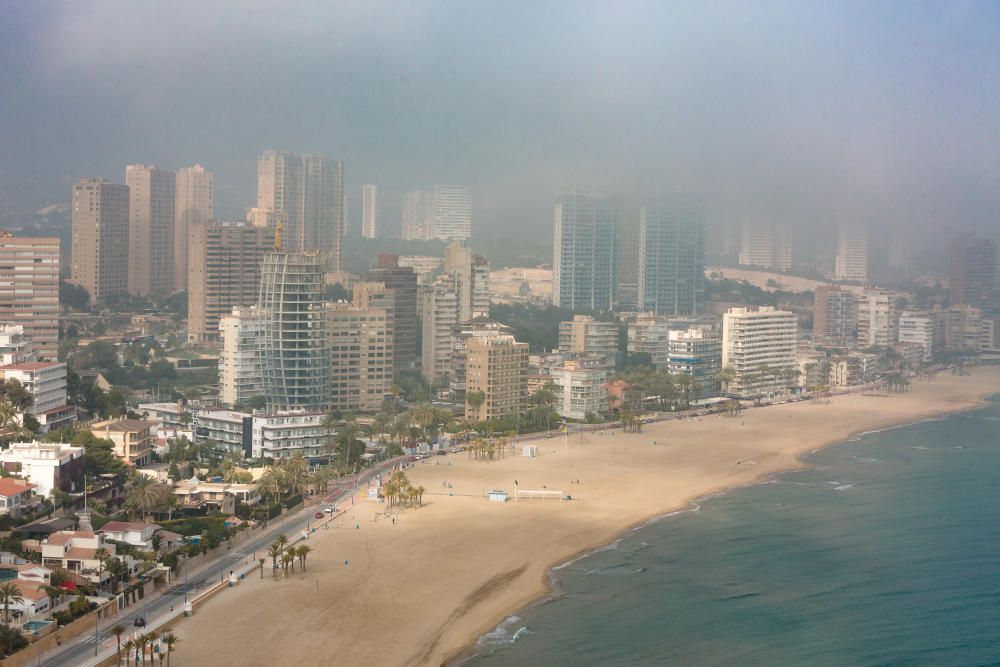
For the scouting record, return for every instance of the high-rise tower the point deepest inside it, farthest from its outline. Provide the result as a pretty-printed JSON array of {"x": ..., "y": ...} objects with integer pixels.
[
  {"x": 585, "y": 248},
  {"x": 152, "y": 200},
  {"x": 100, "y": 237}
]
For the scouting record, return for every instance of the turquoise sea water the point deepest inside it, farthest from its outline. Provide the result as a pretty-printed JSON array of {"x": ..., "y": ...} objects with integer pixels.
[{"x": 886, "y": 553}]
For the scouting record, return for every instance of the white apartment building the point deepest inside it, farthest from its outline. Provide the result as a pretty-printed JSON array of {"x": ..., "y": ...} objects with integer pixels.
[
  {"x": 452, "y": 212},
  {"x": 917, "y": 328},
  {"x": 852, "y": 253},
  {"x": 650, "y": 334},
  {"x": 369, "y": 211},
  {"x": 472, "y": 280},
  {"x": 877, "y": 318},
  {"x": 580, "y": 389},
  {"x": 240, "y": 364},
  {"x": 758, "y": 346},
  {"x": 281, "y": 435},
  {"x": 418, "y": 216},
  {"x": 47, "y": 465},
  {"x": 46, "y": 382},
  {"x": 232, "y": 430},
  {"x": 766, "y": 245},
  {"x": 15, "y": 346},
  {"x": 439, "y": 316}
]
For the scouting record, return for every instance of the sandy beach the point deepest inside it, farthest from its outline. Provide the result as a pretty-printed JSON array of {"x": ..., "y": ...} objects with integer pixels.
[{"x": 419, "y": 590}]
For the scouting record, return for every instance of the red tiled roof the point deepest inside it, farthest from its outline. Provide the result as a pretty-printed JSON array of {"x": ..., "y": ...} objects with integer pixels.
[
  {"x": 59, "y": 539},
  {"x": 79, "y": 553},
  {"x": 10, "y": 486},
  {"x": 119, "y": 526},
  {"x": 30, "y": 365}
]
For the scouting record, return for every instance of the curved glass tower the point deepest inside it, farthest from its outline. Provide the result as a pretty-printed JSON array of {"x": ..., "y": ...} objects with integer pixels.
[{"x": 295, "y": 355}]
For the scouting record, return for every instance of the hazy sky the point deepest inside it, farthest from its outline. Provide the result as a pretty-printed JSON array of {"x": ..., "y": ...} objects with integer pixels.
[{"x": 802, "y": 112}]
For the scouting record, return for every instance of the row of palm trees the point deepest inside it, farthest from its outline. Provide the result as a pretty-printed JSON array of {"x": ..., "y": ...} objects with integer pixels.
[
  {"x": 142, "y": 643},
  {"x": 399, "y": 490},
  {"x": 280, "y": 552}
]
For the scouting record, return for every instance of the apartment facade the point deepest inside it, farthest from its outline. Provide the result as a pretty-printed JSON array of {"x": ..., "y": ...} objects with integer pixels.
[
  {"x": 440, "y": 316},
  {"x": 852, "y": 253},
  {"x": 767, "y": 246},
  {"x": 361, "y": 356},
  {"x": 295, "y": 354},
  {"x": 241, "y": 375},
  {"x": 917, "y": 328},
  {"x": 585, "y": 250},
  {"x": 133, "y": 438},
  {"x": 973, "y": 272},
  {"x": 100, "y": 253},
  {"x": 369, "y": 211},
  {"x": 671, "y": 261},
  {"x": 758, "y": 346},
  {"x": 649, "y": 334},
  {"x": 452, "y": 212},
  {"x": 835, "y": 316},
  {"x": 585, "y": 335},
  {"x": 307, "y": 191},
  {"x": 472, "y": 280},
  {"x": 878, "y": 318},
  {"x": 195, "y": 204},
  {"x": 402, "y": 281},
  {"x": 46, "y": 382},
  {"x": 581, "y": 389},
  {"x": 152, "y": 202},
  {"x": 418, "y": 216},
  {"x": 696, "y": 352},
  {"x": 29, "y": 288},
  {"x": 281, "y": 435},
  {"x": 225, "y": 260},
  {"x": 498, "y": 368},
  {"x": 232, "y": 430}
]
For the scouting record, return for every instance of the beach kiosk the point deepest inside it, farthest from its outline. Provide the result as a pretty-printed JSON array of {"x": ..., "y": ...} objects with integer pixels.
[
  {"x": 530, "y": 451},
  {"x": 497, "y": 496}
]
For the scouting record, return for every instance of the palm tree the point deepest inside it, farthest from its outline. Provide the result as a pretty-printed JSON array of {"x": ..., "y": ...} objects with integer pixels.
[
  {"x": 329, "y": 426},
  {"x": 474, "y": 399},
  {"x": 725, "y": 377},
  {"x": 151, "y": 637},
  {"x": 169, "y": 640},
  {"x": 286, "y": 560},
  {"x": 102, "y": 556},
  {"x": 145, "y": 494},
  {"x": 420, "y": 494},
  {"x": 118, "y": 631},
  {"x": 9, "y": 594},
  {"x": 296, "y": 469},
  {"x": 128, "y": 645},
  {"x": 262, "y": 561},
  {"x": 303, "y": 552},
  {"x": 140, "y": 648},
  {"x": 274, "y": 551}
]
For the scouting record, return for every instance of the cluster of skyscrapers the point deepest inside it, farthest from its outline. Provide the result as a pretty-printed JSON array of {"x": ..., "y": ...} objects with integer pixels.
[{"x": 608, "y": 256}]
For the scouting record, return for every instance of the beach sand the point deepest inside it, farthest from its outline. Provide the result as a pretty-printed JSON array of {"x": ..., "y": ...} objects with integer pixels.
[{"x": 422, "y": 589}]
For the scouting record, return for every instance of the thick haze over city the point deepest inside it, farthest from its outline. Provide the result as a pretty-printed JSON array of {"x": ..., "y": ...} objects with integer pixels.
[{"x": 805, "y": 113}]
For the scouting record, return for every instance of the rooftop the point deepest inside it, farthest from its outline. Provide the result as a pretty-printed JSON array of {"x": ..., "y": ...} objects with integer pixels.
[{"x": 10, "y": 486}]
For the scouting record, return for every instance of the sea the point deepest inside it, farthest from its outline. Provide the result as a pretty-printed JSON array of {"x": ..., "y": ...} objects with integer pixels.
[{"x": 885, "y": 552}]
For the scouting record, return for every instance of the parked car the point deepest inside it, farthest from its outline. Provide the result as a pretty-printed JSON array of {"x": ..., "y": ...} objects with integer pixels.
[{"x": 319, "y": 515}]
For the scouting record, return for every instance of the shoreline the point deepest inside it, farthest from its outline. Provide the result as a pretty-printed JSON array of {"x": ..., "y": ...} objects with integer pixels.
[
  {"x": 694, "y": 504},
  {"x": 423, "y": 589}
]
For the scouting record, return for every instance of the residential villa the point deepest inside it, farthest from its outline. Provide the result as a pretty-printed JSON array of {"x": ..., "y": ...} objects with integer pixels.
[
  {"x": 140, "y": 535},
  {"x": 47, "y": 465},
  {"x": 16, "y": 497},
  {"x": 197, "y": 497},
  {"x": 133, "y": 438},
  {"x": 76, "y": 552}
]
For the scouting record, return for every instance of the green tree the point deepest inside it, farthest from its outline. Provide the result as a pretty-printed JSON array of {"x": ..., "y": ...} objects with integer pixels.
[{"x": 9, "y": 594}]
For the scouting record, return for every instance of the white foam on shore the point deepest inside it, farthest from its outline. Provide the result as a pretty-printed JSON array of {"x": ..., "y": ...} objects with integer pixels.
[{"x": 501, "y": 636}]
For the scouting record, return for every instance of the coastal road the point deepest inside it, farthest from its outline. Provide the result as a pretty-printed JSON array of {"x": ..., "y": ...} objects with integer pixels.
[{"x": 161, "y": 608}]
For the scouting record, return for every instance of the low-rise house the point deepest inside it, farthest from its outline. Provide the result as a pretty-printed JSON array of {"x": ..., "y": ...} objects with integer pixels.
[
  {"x": 232, "y": 430},
  {"x": 133, "y": 438},
  {"x": 282, "y": 434},
  {"x": 140, "y": 535},
  {"x": 76, "y": 552},
  {"x": 47, "y": 465},
  {"x": 195, "y": 496},
  {"x": 16, "y": 497}
]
